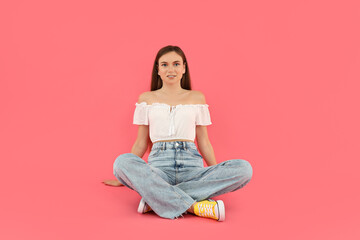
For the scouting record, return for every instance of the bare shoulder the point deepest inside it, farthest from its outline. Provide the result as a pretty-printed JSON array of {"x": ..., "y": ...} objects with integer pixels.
[
  {"x": 198, "y": 97},
  {"x": 145, "y": 97}
]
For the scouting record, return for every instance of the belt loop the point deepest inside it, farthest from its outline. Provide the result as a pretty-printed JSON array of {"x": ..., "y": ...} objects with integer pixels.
[
  {"x": 162, "y": 146},
  {"x": 185, "y": 145}
]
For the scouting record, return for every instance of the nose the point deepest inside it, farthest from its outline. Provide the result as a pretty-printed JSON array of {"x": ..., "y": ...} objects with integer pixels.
[{"x": 171, "y": 67}]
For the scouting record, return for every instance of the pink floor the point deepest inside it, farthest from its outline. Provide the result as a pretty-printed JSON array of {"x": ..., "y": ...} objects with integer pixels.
[{"x": 56, "y": 193}]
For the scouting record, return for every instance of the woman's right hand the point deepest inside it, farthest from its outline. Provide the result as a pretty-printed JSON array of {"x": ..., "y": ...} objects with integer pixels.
[{"x": 112, "y": 182}]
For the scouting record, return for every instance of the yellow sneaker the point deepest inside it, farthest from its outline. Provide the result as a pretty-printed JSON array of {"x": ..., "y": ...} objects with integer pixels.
[{"x": 210, "y": 209}]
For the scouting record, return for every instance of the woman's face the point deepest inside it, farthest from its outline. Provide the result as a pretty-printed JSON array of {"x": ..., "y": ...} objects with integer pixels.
[{"x": 171, "y": 67}]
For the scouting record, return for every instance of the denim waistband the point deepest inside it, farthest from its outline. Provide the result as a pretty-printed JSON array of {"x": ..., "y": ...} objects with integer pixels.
[{"x": 173, "y": 144}]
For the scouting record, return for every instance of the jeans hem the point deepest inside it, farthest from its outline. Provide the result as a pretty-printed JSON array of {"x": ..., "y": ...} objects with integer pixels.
[{"x": 181, "y": 212}]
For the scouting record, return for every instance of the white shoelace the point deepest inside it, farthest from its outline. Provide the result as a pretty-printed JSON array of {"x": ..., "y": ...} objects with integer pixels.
[{"x": 206, "y": 210}]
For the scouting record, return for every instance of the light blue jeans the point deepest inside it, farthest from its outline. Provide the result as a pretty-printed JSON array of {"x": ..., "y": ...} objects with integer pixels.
[{"x": 174, "y": 177}]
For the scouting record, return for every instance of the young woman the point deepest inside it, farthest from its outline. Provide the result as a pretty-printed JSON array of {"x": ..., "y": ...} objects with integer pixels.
[{"x": 170, "y": 116}]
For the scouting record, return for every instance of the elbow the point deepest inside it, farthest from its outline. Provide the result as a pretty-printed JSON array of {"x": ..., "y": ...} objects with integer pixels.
[
  {"x": 203, "y": 143},
  {"x": 139, "y": 148},
  {"x": 141, "y": 145}
]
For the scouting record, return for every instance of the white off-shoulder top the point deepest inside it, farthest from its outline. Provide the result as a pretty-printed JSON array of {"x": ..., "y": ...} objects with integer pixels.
[{"x": 171, "y": 122}]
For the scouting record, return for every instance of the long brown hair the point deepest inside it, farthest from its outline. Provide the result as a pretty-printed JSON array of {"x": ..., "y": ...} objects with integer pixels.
[{"x": 156, "y": 81}]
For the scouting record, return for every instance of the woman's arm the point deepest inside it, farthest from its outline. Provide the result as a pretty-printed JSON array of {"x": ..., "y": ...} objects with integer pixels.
[
  {"x": 205, "y": 146},
  {"x": 139, "y": 149},
  {"x": 202, "y": 138},
  {"x": 140, "y": 146}
]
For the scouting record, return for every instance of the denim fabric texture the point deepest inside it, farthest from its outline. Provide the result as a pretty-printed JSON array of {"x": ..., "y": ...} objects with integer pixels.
[{"x": 174, "y": 177}]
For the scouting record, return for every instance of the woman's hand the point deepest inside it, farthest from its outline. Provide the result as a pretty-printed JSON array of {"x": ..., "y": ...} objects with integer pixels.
[{"x": 112, "y": 182}]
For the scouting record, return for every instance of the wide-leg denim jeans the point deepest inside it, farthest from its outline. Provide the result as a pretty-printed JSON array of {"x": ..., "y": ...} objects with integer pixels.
[{"x": 174, "y": 177}]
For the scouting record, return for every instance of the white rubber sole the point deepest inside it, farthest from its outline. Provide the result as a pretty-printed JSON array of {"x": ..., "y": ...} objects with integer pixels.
[
  {"x": 221, "y": 208},
  {"x": 141, "y": 206}
]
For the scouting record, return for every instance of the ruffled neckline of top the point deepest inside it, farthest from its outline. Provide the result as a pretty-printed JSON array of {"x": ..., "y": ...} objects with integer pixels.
[{"x": 167, "y": 105}]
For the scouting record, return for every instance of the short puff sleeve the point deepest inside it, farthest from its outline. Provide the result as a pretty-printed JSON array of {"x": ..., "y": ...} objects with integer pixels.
[
  {"x": 203, "y": 115},
  {"x": 141, "y": 114}
]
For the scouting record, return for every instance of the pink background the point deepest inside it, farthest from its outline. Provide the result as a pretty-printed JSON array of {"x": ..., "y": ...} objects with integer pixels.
[{"x": 281, "y": 79}]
